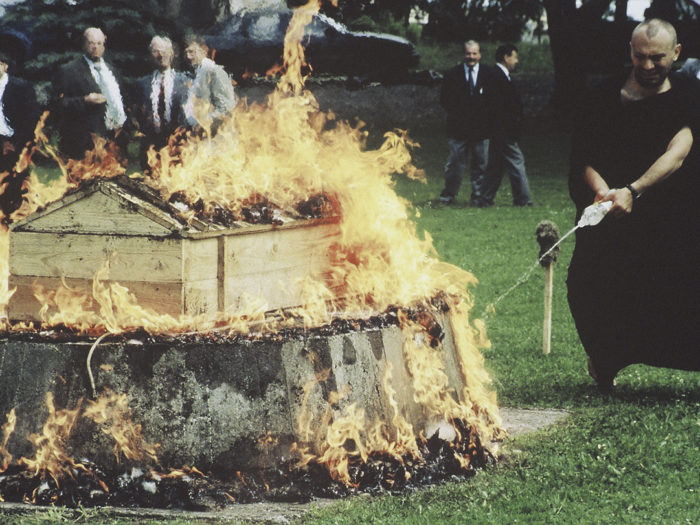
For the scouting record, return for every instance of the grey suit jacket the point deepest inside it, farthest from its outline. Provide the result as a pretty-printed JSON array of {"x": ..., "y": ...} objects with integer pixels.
[{"x": 212, "y": 88}]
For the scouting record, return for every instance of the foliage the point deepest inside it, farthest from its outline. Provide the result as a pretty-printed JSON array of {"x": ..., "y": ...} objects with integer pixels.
[{"x": 459, "y": 20}]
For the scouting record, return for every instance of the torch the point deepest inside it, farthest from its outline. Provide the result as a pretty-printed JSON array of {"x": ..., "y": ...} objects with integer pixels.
[{"x": 547, "y": 235}]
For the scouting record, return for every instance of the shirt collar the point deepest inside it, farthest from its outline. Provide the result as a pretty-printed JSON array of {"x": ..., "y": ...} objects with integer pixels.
[
  {"x": 475, "y": 69},
  {"x": 504, "y": 69},
  {"x": 99, "y": 64}
]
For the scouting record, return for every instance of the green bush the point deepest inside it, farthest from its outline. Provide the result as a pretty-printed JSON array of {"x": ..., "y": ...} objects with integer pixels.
[
  {"x": 364, "y": 23},
  {"x": 413, "y": 32}
]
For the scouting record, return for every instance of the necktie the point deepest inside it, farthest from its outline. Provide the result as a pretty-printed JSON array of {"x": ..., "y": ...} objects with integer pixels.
[
  {"x": 161, "y": 102},
  {"x": 472, "y": 86}
]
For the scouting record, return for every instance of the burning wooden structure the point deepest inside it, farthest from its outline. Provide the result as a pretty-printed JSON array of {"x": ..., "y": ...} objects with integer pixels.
[{"x": 172, "y": 260}]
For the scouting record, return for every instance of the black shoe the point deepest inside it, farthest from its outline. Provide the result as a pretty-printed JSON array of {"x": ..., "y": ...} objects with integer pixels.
[
  {"x": 446, "y": 198},
  {"x": 605, "y": 381}
]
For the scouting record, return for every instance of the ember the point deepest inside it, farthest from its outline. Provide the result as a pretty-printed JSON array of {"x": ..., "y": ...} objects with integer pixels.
[{"x": 268, "y": 294}]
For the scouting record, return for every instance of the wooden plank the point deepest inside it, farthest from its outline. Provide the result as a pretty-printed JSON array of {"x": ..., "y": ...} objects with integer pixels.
[
  {"x": 99, "y": 213},
  {"x": 164, "y": 298},
  {"x": 279, "y": 249},
  {"x": 80, "y": 256},
  {"x": 201, "y": 297},
  {"x": 278, "y": 288},
  {"x": 199, "y": 259},
  {"x": 221, "y": 273},
  {"x": 273, "y": 265}
]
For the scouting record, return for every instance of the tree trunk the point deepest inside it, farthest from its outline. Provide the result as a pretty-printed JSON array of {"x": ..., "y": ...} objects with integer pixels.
[{"x": 572, "y": 36}]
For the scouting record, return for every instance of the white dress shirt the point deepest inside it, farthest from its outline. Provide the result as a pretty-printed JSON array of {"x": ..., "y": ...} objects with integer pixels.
[{"x": 5, "y": 128}]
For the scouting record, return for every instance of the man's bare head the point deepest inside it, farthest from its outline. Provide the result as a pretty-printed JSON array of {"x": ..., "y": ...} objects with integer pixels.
[
  {"x": 94, "y": 43},
  {"x": 162, "y": 51},
  {"x": 654, "y": 48},
  {"x": 472, "y": 53}
]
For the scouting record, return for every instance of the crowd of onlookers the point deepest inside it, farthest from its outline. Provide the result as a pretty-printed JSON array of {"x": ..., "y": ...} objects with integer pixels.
[{"x": 89, "y": 99}]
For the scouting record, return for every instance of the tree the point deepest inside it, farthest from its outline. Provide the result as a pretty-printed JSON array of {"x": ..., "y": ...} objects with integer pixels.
[{"x": 458, "y": 20}]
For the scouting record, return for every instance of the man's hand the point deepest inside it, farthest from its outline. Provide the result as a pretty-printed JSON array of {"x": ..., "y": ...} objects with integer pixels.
[
  {"x": 622, "y": 200},
  {"x": 95, "y": 98}
]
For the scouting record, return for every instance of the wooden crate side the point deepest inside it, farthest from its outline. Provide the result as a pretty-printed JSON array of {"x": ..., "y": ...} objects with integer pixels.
[
  {"x": 282, "y": 249},
  {"x": 272, "y": 266},
  {"x": 99, "y": 214},
  {"x": 201, "y": 297},
  {"x": 164, "y": 298},
  {"x": 200, "y": 258},
  {"x": 81, "y": 256}
]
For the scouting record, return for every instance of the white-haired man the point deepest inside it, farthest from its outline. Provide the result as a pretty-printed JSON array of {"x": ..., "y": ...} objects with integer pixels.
[
  {"x": 88, "y": 97},
  {"x": 161, "y": 98}
]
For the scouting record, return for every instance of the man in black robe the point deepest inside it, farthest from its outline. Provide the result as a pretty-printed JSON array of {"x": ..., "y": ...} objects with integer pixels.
[{"x": 633, "y": 280}]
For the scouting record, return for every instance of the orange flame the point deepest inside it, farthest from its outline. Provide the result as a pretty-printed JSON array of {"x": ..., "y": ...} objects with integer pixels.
[
  {"x": 7, "y": 429},
  {"x": 52, "y": 457},
  {"x": 112, "y": 410}
]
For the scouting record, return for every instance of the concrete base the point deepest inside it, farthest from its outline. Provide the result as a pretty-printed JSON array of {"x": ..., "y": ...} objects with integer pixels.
[{"x": 209, "y": 404}]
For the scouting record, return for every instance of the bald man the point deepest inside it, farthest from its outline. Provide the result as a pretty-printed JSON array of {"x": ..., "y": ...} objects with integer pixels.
[
  {"x": 633, "y": 280},
  {"x": 88, "y": 98}
]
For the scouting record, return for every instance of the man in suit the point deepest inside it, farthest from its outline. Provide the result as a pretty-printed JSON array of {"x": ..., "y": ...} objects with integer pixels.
[
  {"x": 506, "y": 120},
  {"x": 19, "y": 113},
  {"x": 161, "y": 96},
  {"x": 211, "y": 97},
  {"x": 88, "y": 98},
  {"x": 692, "y": 67},
  {"x": 465, "y": 98}
]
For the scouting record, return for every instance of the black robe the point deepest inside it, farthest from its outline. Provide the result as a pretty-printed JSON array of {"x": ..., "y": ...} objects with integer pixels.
[{"x": 633, "y": 282}]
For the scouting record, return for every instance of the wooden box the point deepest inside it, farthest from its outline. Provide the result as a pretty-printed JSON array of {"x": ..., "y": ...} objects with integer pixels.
[{"x": 171, "y": 264}]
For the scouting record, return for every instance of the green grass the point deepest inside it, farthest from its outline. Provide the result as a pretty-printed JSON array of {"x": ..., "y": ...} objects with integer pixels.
[{"x": 629, "y": 458}]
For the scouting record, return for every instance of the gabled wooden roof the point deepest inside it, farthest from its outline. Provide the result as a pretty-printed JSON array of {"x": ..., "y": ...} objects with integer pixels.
[{"x": 118, "y": 206}]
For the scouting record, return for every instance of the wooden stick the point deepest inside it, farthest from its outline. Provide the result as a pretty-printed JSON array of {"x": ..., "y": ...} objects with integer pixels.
[{"x": 547, "y": 327}]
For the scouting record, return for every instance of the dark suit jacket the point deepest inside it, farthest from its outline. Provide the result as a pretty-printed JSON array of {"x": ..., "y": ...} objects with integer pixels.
[
  {"x": 144, "y": 103},
  {"x": 22, "y": 113},
  {"x": 21, "y": 110},
  {"x": 78, "y": 120},
  {"x": 467, "y": 115},
  {"x": 507, "y": 107}
]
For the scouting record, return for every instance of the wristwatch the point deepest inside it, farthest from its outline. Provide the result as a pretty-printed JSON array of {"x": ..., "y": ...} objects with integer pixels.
[{"x": 635, "y": 193}]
